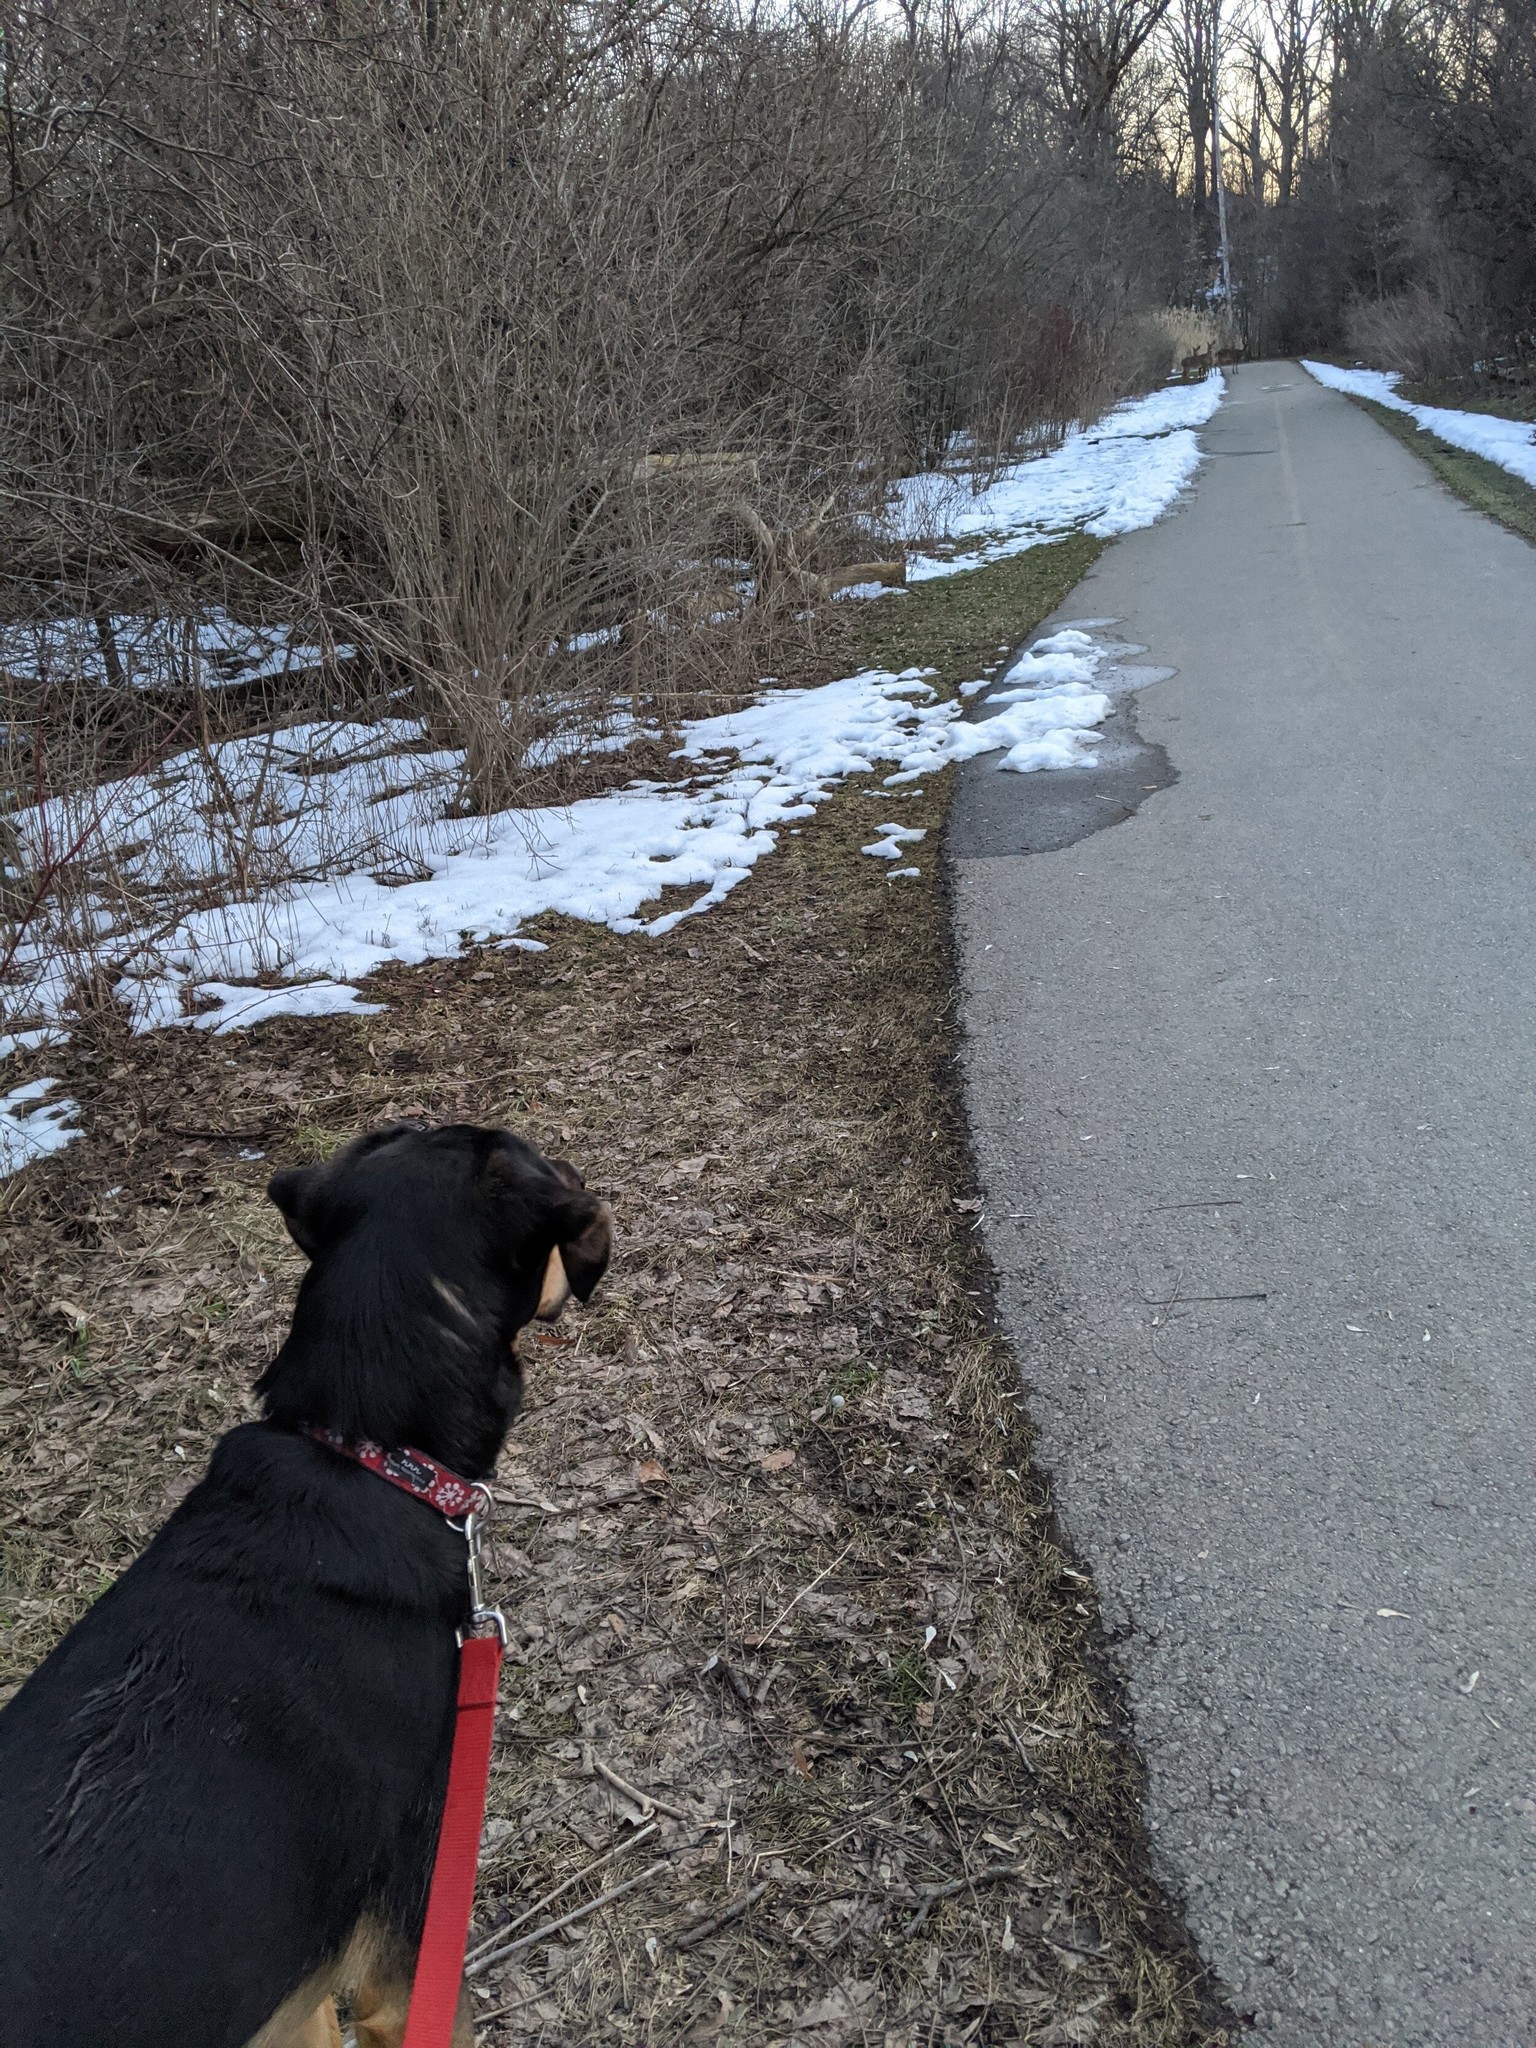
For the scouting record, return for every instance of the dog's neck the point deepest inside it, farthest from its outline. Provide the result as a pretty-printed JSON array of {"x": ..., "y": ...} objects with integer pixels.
[{"x": 401, "y": 1366}]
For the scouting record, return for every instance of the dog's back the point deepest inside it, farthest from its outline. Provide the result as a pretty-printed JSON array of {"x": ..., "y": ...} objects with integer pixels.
[
  {"x": 231, "y": 1762},
  {"x": 229, "y": 1777}
]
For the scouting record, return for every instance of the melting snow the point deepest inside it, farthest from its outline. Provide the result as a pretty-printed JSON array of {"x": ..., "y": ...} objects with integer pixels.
[
  {"x": 1121, "y": 473},
  {"x": 356, "y": 810},
  {"x": 212, "y": 652},
  {"x": 606, "y": 859},
  {"x": 29, "y": 1041},
  {"x": 893, "y": 838},
  {"x": 30, "y": 1127}
]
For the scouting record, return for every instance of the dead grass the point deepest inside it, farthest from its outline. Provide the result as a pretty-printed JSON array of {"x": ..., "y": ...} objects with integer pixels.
[
  {"x": 1505, "y": 398},
  {"x": 771, "y": 1542}
]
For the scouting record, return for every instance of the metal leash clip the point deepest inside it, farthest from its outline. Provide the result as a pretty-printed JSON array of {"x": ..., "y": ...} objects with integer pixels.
[{"x": 472, "y": 1528}]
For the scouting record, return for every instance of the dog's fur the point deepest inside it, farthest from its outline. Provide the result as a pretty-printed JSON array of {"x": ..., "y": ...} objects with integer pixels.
[{"x": 219, "y": 1796}]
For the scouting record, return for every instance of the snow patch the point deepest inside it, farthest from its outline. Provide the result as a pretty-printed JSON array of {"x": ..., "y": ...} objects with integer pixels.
[
  {"x": 606, "y": 859},
  {"x": 210, "y": 652},
  {"x": 892, "y": 839},
  {"x": 1121, "y": 473},
  {"x": 866, "y": 593},
  {"x": 29, "y": 1041},
  {"x": 359, "y": 811},
  {"x": 30, "y": 1128},
  {"x": 234, "y": 1007}
]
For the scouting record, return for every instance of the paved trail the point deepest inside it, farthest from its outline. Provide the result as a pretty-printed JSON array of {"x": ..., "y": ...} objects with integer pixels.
[{"x": 1253, "y": 1081}]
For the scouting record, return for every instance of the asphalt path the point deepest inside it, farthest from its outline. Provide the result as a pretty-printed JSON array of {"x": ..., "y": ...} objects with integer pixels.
[{"x": 1251, "y": 1067}]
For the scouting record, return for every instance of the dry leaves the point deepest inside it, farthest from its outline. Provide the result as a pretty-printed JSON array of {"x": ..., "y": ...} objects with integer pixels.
[{"x": 790, "y": 1631}]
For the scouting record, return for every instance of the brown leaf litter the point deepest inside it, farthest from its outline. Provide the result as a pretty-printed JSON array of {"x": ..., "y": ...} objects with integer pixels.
[{"x": 802, "y": 1738}]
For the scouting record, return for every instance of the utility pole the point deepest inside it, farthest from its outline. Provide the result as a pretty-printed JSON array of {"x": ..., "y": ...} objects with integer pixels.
[{"x": 1225, "y": 259}]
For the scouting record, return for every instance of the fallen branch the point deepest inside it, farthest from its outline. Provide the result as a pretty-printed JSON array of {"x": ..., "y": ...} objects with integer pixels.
[
  {"x": 758, "y": 1641},
  {"x": 618, "y": 1891},
  {"x": 542, "y": 1905},
  {"x": 499, "y": 2012},
  {"x": 932, "y": 1894},
  {"x": 227, "y": 1136},
  {"x": 723, "y": 462},
  {"x": 646, "y": 1801},
  {"x": 1178, "y": 1300},
  {"x": 892, "y": 574},
  {"x": 722, "y": 1919}
]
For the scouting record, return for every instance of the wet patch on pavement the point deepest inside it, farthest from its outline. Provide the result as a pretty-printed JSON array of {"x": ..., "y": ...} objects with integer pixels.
[{"x": 996, "y": 813}]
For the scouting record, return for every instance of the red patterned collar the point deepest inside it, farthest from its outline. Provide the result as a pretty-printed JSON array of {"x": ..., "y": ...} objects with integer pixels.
[{"x": 412, "y": 1471}]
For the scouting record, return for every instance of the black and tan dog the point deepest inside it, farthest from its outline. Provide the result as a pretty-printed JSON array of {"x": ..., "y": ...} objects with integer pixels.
[{"x": 219, "y": 1796}]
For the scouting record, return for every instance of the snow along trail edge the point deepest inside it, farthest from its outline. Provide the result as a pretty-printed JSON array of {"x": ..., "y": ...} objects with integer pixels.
[{"x": 604, "y": 859}]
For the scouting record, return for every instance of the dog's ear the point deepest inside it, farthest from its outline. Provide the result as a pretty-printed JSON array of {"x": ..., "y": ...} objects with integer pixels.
[
  {"x": 586, "y": 1253},
  {"x": 297, "y": 1191},
  {"x": 321, "y": 1203},
  {"x": 581, "y": 1254}
]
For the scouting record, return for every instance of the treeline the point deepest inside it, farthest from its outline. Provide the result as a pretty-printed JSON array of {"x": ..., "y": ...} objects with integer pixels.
[
  {"x": 1382, "y": 158},
  {"x": 465, "y": 329}
]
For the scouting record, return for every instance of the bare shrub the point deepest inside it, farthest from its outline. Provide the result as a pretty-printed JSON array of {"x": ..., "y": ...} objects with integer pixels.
[
  {"x": 536, "y": 367},
  {"x": 1413, "y": 333}
]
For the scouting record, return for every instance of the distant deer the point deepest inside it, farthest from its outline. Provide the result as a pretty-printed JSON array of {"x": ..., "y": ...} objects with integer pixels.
[{"x": 1199, "y": 364}]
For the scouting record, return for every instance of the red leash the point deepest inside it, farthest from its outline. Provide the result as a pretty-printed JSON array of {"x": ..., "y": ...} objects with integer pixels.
[{"x": 440, "y": 1959}]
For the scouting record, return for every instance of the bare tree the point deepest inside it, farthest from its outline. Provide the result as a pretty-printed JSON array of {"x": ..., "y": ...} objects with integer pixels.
[
  {"x": 1095, "y": 44},
  {"x": 1190, "y": 34},
  {"x": 1285, "y": 48},
  {"x": 473, "y": 334}
]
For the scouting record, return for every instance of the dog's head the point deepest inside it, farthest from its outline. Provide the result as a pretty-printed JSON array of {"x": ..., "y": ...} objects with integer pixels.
[{"x": 429, "y": 1250}]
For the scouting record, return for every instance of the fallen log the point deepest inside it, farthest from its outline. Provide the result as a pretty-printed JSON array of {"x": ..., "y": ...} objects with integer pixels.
[
  {"x": 722, "y": 463},
  {"x": 892, "y": 574}
]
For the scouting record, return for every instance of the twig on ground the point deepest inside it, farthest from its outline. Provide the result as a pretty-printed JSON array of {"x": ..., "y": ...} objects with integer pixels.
[
  {"x": 1177, "y": 1300},
  {"x": 251, "y": 1131},
  {"x": 644, "y": 1800},
  {"x": 549, "y": 1898},
  {"x": 732, "y": 1912},
  {"x": 931, "y": 1894},
  {"x": 758, "y": 1641},
  {"x": 499, "y": 2012},
  {"x": 576, "y": 1913}
]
